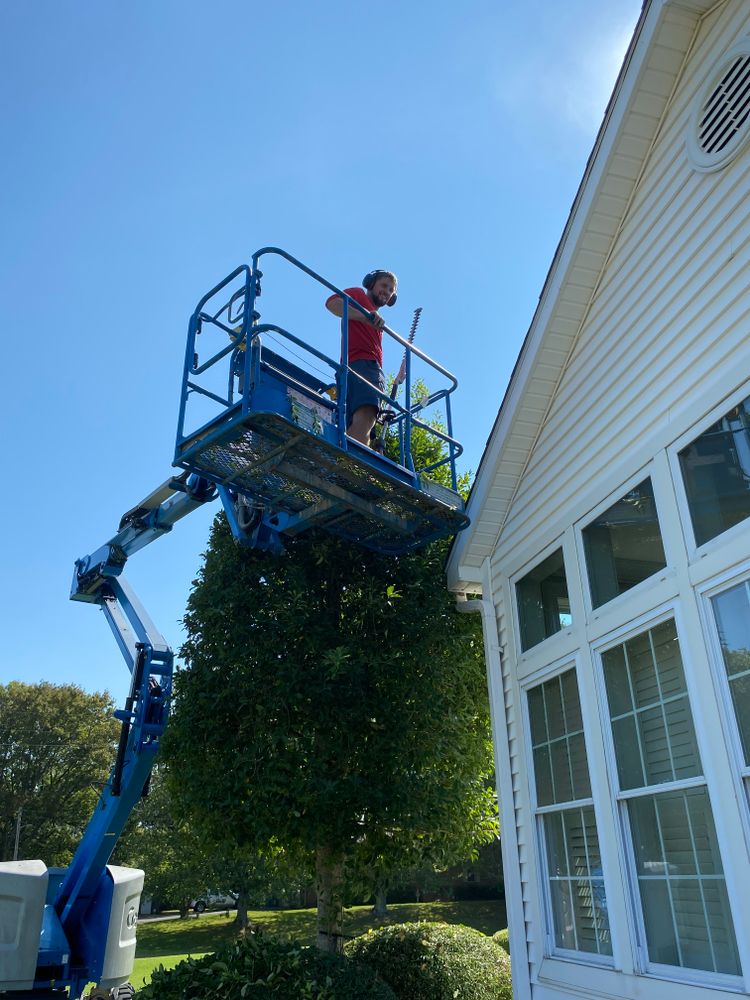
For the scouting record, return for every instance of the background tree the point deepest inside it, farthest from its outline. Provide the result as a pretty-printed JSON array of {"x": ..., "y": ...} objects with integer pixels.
[
  {"x": 161, "y": 840},
  {"x": 57, "y": 746},
  {"x": 335, "y": 703},
  {"x": 181, "y": 864}
]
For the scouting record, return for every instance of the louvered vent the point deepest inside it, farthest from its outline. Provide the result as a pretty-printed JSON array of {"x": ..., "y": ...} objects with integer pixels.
[
  {"x": 721, "y": 117},
  {"x": 727, "y": 109}
]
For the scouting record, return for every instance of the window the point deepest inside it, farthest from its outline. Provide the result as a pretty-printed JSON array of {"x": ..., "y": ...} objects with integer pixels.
[
  {"x": 623, "y": 545},
  {"x": 716, "y": 472},
  {"x": 543, "y": 603},
  {"x": 684, "y": 904},
  {"x": 732, "y": 613},
  {"x": 565, "y": 816}
]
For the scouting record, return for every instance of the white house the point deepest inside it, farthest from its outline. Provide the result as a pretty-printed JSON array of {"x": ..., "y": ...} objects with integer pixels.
[{"x": 610, "y": 544}]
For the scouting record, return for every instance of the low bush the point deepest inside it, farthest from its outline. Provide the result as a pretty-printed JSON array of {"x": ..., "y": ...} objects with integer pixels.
[
  {"x": 436, "y": 962},
  {"x": 258, "y": 967},
  {"x": 501, "y": 938}
]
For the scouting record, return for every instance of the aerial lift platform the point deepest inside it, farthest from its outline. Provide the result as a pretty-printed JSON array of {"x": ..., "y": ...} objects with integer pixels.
[{"x": 268, "y": 438}]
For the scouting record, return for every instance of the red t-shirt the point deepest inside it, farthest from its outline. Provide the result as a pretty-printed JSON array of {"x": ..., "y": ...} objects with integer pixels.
[{"x": 365, "y": 342}]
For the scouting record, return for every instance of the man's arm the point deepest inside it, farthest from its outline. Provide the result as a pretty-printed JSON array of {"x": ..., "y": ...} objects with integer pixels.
[{"x": 336, "y": 305}]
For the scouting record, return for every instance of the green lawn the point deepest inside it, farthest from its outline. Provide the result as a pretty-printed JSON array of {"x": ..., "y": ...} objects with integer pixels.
[{"x": 168, "y": 942}]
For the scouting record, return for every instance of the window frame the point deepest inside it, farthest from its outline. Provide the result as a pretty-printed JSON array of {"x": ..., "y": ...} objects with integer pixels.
[
  {"x": 648, "y": 471},
  {"x": 538, "y": 813},
  {"x": 620, "y": 798},
  {"x": 527, "y": 567},
  {"x": 695, "y": 430},
  {"x": 706, "y": 592}
]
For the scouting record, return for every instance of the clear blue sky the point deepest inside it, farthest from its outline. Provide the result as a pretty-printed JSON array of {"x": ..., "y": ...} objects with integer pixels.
[{"x": 150, "y": 147}]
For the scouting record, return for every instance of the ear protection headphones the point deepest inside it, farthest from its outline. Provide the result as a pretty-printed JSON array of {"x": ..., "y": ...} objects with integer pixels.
[{"x": 371, "y": 277}]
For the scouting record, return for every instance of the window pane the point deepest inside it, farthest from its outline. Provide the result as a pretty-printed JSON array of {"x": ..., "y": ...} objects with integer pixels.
[
  {"x": 543, "y": 603},
  {"x": 619, "y": 694},
  {"x": 563, "y": 918},
  {"x": 653, "y": 732},
  {"x": 561, "y": 777},
  {"x": 716, "y": 472},
  {"x": 537, "y": 716},
  {"x": 574, "y": 867},
  {"x": 623, "y": 545},
  {"x": 554, "y": 709},
  {"x": 628, "y": 753},
  {"x": 643, "y": 676},
  {"x": 543, "y": 774},
  {"x": 557, "y": 855},
  {"x": 732, "y": 611},
  {"x": 579, "y": 904},
  {"x": 579, "y": 767},
  {"x": 560, "y": 765},
  {"x": 681, "y": 881}
]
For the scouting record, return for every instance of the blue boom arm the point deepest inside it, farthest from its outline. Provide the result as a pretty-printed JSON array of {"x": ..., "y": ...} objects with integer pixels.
[{"x": 98, "y": 579}]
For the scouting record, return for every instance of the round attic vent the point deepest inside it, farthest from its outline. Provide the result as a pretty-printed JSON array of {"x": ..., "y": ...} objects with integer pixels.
[{"x": 720, "y": 123}]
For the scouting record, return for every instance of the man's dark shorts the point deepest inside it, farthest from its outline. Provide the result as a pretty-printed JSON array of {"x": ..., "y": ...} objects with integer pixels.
[{"x": 359, "y": 393}]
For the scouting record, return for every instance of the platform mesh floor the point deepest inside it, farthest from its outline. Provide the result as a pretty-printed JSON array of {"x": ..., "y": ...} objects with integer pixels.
[{"x": 273, "y": 461}]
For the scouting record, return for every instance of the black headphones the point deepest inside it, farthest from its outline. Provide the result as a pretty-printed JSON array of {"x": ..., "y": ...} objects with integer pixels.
[{"x": 371, "y": 277}]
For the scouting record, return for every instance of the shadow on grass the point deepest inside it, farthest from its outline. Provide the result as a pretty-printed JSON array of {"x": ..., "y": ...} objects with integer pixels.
[{"x": 209, "y": 932}]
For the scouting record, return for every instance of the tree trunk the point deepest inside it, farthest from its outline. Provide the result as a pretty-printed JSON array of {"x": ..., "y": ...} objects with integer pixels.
[
  {"x": 241, "y": 921},
  {"x": 380, "y": 909},
  {"x": 329, "y": 883}
]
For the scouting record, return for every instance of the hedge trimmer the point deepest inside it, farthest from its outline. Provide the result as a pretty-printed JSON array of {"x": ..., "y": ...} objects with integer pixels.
[{"x": 386, "y": 414}]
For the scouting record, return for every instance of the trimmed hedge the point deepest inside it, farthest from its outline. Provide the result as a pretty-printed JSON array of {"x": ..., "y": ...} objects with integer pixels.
[
  {"x": 501, "y": 938},
  {"x": 263, "y": 968},
  {"x": 425, "y": 961}
]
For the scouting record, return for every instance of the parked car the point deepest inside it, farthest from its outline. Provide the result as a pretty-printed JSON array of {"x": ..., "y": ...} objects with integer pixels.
[{"x": 214, "y": 900}]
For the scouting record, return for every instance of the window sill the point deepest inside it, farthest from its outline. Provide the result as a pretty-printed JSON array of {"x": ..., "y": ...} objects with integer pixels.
[{"x": 593, "y": 976}]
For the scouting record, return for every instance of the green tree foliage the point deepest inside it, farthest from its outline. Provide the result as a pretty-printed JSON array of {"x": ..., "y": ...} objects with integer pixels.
[
  {"x": 426, "y": 448},
  {"x": 180, "y": 864},
  {"x": 57, "y": 745},
  {"x": 335, "y": 704},
  {"x": 161, "y": 840}
]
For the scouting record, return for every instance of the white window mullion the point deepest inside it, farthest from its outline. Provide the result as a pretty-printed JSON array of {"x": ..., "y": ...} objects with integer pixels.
[{"x": 648, "y": 791}]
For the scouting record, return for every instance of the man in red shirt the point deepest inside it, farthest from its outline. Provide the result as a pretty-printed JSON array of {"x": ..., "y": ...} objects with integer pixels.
[{"x": 365, "y": 350}]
